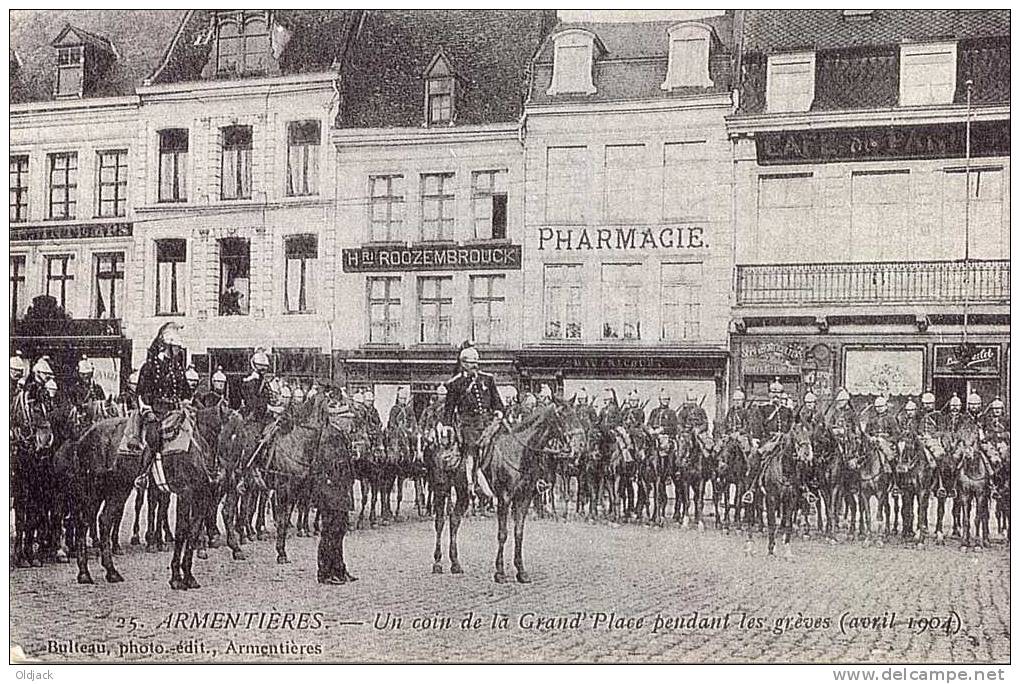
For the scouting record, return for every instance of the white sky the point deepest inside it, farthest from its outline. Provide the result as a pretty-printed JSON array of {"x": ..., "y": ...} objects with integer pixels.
[{"x": 635, "y": 15}]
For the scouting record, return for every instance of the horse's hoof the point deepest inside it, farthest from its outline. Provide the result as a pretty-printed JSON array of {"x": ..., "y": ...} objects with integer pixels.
[
  {"x": 61, "y": 556},
  {"x": 177, "y": 584},
  {"x": 315, "y": 533},
  {"x": 261, "y": 535},
  {"x": 832, "y": 541},
  {"x": 113, "y": 577},
  {"x": 203, "y": 554},
  {"x": 701, "y": 527},
  {"x": 300, "y": 533},
  {"x": 238, "y": 554},
  {"x": 85, "y": 578},
  {"x": 191, "y": 583},
  {"x": 523, "y": 577},
  {"x": 455, "y": 568},
  {"x": 788, "y": 555},
  {"x": 501, "y": 578},
  {"x": 282, "y": 560},
  {"x": 135, "y": 541},
  {"x": 437, "y": 568},
  {"x": 36, "y": 563},
  {"x": 215, "y": 543}
]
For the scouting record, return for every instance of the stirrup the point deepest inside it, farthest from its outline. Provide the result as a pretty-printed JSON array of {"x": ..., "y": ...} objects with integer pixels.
[
  {"x": 994, "y": 493},
  {"x": 952, "y": 493},
  {"x": 810, "y": 498},
  {"x": 748, "y": 498},
  {"x": 896, "y": 491},
  {"x": 542, "y": 485},
  {"x": 941, "y": 492}
]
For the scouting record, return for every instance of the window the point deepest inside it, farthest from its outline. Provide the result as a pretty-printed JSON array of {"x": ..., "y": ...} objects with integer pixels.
[
  {"x": 439, "y": 91},
  {"x": 173, "y": 165},
  {"x": 387, "y": 208},
  {"x": 572, "y": 63},
  {"x": 985, "y": 220},
  {"x": 242, "y": 42},
  {"x": 681, "y": 305},
  {"x": 487, "y": 307},
  {"x": 384, "y": 311},
  {"x": 19, "y": 187},
  {"x": 303, "y": 140},
  {"x": 63, "y": 185},
  {"x": 488, "y": 204},
  {"x": 109, "y": 297},
  {"x": 113, "y": 182},
  {"x": 59, "y": 278},
  {"x": 70, "y": 68},
  {"x": 235, "y": 276},
  {"x": 17, "y": 294},
  {"x": 235, "y": 183},
  {"x": 786, "y": 229},
  {"x": 437, "y": 209},
  {"x": 566, "y": 185},
  {"x": 687, "y": 180},
  {"x": 562, "y": 301},
  {"x": 880, "y": 202},
  {"x": 927, "y": 74},
  {"x": 435, "y": 310},
  {"x": 625, "y": 182},
  {"x": 302, "y": 251},
  {"x": 621, "y": 301},
  {"x": 171, "y": 256},
  {"x": 688, "y": 57},
  {"x": 791, "y": 82}
]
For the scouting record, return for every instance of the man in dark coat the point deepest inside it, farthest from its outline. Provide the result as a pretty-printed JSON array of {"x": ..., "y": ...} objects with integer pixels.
[
  {"x": 333, "y": 493},
  {"x": 663, "y": 418},
  {"x": 472, "y": 403},
  {"x": 85, "y": 388},
  {"x": 217, "y": 392},
  {"x": 161, "y": 386},
  {"x": 256, "y": 393},
  {"x": 776, "y": 418}
]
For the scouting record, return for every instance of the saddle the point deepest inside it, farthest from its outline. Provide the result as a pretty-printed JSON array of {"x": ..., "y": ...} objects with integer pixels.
[
  {"x": 178, "y": 432},
  {"x": 132, "y": 444}
]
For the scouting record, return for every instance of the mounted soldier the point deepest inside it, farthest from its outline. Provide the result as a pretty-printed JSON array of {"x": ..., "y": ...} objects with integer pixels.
[
  {"x": 85, "y": 388},
  {"x": 256, "y": 392},
  {"x": 34, "y": 386},
  {"x": 928, "y": 411},
  {"x": 882, "y": 424},
  {"x": 809, "y": 416},
  {"x": 192, "y": 377},
  {"x": 474, "y": 406},
  {"x": 433, "y": 414},
  {"x": 373, "y": 421},
  {"x": 842, "y": 420},
  {"x": 739, "y": 423},
  {"x": 585, "y": 409},
  {"x": 19, "y": 372},
  {"x": 909, "y": 420},
  {"x": 129, "y": 398},
  {"x": 402, "y": 423},
  {"x": 663, "y": 419},
  {"x": 776, "y": 419},
  {"x": 161, "y": 388},
  {"x": 955, "y": 421},
  {"x": 995, "y": 423},
  {"x": 527, "y": 404},
  {"x": 217, "y": 392},
  {"x": 974, "y": 408},
  {"x": 694, "y": 420}
]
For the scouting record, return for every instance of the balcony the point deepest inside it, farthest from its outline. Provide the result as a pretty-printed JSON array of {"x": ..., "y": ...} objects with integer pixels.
[
  {"x": 877, "y": 283},
  {"x": 71, "y": 327}
]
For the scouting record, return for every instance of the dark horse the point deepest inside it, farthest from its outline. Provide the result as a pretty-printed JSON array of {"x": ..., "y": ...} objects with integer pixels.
[
  {"x": 448, "y": 473},
  {"x": 975, "y": 474},
  {"x": 781, "y": 484},
  {"x": 32, "y": 442},
  {"x": 733, "y": 468},
  {"x": 915, "y": 470},
  {"x": 517, "y": 461}
]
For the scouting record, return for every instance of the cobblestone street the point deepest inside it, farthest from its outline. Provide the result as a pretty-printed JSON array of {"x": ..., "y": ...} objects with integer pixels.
[{"x": 617, "y": 590}]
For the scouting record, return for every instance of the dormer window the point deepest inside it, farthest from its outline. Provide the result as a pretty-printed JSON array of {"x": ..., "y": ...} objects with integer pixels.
[
  {"x": 688, "y": 57},
  {"x": 791, "y": 82},
  {"x": 70, "y": 70},
  {"x": 440, "y": 89},
  {"x": 927, "y": 74},
  {"x": 82, "y": 58},
  {"x": 242, "y": 42},
  {"x": 573, "y": 60}
]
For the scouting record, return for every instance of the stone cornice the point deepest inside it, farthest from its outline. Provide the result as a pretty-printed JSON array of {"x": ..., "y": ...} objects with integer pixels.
[{"x": 898, "y": 116}]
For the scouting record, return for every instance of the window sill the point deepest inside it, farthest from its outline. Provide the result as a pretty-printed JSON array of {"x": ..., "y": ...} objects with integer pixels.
[
  {"x": 169, "y": 315},
  {"x": 487, "y": 241},
  {"x": 298, "y": 313}
]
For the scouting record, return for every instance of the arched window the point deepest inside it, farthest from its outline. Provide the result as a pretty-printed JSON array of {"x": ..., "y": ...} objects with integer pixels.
[{"x": 242, "y": 42}]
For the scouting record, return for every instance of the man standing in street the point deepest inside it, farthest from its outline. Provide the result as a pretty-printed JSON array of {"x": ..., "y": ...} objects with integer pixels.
[{"x": 333, "y": 480}]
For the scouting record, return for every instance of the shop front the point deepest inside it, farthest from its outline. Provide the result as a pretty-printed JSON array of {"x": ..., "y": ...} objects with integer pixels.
[{"x": 801, "y": 365}]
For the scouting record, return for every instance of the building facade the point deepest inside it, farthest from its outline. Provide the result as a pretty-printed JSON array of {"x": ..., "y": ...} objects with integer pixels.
[
  {"x": 628, "y": 247},
  {"x": 75, "y": 180},
  {"x": 239, "y": 240},
  {"x": 430, "y": 201},
  {"x": 862, "y": 258}
]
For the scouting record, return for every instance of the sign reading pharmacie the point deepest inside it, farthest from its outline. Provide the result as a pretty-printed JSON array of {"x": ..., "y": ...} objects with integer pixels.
[
  {"x": 621, "y": 238},
  {"x": 380, "y": 258},
  {"x": 876, "y": 143}
]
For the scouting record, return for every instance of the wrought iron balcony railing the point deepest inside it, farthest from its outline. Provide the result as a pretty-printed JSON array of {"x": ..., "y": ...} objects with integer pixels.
[
  {"x": 72, "y": 327},
  {"x": 891, "y": 282}
]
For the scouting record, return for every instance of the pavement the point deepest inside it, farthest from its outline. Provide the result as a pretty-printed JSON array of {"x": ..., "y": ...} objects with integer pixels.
[{"x": 600, "y": 593}]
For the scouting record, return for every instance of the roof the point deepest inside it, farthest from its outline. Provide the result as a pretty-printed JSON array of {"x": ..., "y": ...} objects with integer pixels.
[
  {"x": 784, "y": 30},
  {"x": 317, "y": 40},
  {"x": 139, "y": 38},
  {"x": 633, "y": 60},
  {"x": 490, "y": 52}
]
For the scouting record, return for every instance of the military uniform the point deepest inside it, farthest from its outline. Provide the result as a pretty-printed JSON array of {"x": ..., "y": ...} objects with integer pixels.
[
  {"x": 471, "y": 401},
  {"x": 432, "y": 416},
  {"x": 161, "y": 385},
  {"x": 809, "y": 417},
  {"x": 843, "y": 422},
  {"x": 776, "y": 421},
  {"x": 85, "y": 391},
  {"x": 403, "y": 423},
  {"x": 208, "y": 398},
  {"x": 882, "y": 425},
  {"x": 665, "y": 419},
  {"x": 333, "y": 496},
  {"x": 256, "y": 396},
  {"x": 996, "y": 427},
  {"x": 373, "y": 424},
  {"x": 694, "y": 419},
  {"x": 956, "y": 423}
]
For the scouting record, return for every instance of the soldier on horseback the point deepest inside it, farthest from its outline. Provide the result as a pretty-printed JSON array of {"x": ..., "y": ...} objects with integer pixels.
[
  {"x": 192, "y": 377},
  {"x": 882, "y": 424},
  {"x": 955, "y": 421},
  {"x": 402, "y": 422},
  {"x": 776, "y": 419},
  {"x": 473, "y": 404},
  {"x": 694, "y": 420},
  {"x": 256, "y": 393},
  {"x": 19, "y": 372},
  {"x": 129, "y": 397},
  {"x": 995, "y": 423},
  {"x": 86, "y": 389},
  {"x": 217, "y": 392},
  {"x": 663, "y": 418},
  {"x": 739, "y": 423},
  {"x": 809, "y": 416},
  {"x": 34, "y": 386},
  {"x": 161, "y": 388}
]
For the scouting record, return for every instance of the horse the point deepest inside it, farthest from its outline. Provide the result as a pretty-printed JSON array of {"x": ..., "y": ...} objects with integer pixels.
[
  {"x": 696, "y": 469},
  {"x": 448, "y": 474},
  {"x": 401, "y": 454},
  {"x": 661, "y": 465},
  {"x": 945, "y": 486},
  {"x": 628, "y": 455},
  {"x": 288, "y": 459},
  {"x": 996, "y": 449},
  {"x": 974, "y": 484},
  {"x": 875, "y": 482},
  {"x": 596, "y": 471},
  {"x": 732, "y": 469},
  {"x": 514, "y": 465},
  {"x": 32, "y": 441},
  {"x": 780, "y": 481},
  {"x": 915, "y": 468}
]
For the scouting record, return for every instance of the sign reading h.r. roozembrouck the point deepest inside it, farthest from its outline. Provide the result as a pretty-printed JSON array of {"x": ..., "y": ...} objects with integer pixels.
[{"x": 373, "y": 258}]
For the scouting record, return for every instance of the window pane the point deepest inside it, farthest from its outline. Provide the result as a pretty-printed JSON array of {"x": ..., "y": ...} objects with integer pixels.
[
  {"x": 625, "y": 183},
  {"x": 566, "y": 185}
]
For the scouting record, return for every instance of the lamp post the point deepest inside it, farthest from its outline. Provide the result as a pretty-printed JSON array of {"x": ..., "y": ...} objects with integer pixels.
[{"x": 966, "y": 222}]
